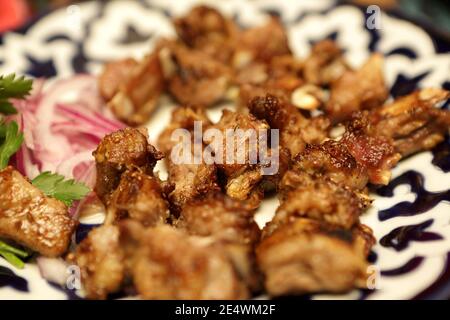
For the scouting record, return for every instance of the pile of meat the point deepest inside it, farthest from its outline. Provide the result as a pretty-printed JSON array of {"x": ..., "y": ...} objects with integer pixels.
[{"x": 193, "y": 236}]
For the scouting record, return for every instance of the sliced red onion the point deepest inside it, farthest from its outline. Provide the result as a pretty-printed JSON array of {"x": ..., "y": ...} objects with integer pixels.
[{"x": 60, "y": 136}]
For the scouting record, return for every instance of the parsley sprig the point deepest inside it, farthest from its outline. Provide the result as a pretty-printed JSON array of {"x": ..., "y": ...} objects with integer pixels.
[
  {"x": 55, "y": 185},
  {"x": 11, "y": 140},
  {"x": 12, "y": 87}
]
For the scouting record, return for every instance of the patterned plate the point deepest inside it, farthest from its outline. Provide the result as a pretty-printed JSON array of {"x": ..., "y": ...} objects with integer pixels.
[{"x": 410, "y": 217}]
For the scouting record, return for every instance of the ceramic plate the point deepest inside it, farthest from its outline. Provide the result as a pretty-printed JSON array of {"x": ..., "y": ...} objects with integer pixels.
[{"x": 410, "y": 217}]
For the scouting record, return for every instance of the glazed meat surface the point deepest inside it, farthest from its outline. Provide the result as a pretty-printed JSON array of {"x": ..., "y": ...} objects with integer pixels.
[
  {"x": 325, "y": 64},
  {"x": 307, "y": 256},
  {"x": 376, "y": 153},
  {"x": 254, "y": 47},
  {"x": 358, "y": 90},
  {"x": 318, "y": 198},
  {"x": 101, "y": 261},
  {"x": 333, "y": 160},
  {"x": 169, "y": 264},
  {"x": 230, "y": 223},
  {"x": 193, "y": 77},
  {"x": 133, "y": 88},
  {"x": 413, "y": 122},
  {"x": 32, "y": 219},
  {"x": 205, "y": 29},
  {"x": 191, "y": 179},
  {"x": 243, "y": 173},
  {"x": 190, "y": 182},
  {"x": 126, "y": 148},
  {"x": 182, "y": 118},
  {"x": 220, "y": 216},
  {"x": 295, "y": 130},
  {"x": 139, "y": 197}
]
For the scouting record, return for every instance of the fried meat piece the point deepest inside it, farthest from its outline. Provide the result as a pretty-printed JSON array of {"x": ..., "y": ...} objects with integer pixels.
[
  {"x": 256, "y": 48},
  {"x": 333, "y": 160},
  {"x": 220, "y": 216},
  {"x": 193, "y": 77},
  {"x": 101, "y": 261},
  {"x": 182, "y": 118},
  {"x": 358, "y": 90},
  {"x": 319, "y": 198},
  {"x": 413, "y": 122},
  {"x": 231, "y": 223},
  {"x": 325, "y": 64},
  {"x": 114, "y": 74},
  {"x": 236, "y": 153},
  {"x": 32, "y": 219},
  {"x": 376, "y": 153},
  {"x": 205, "y": 29},
  {"x": 118, "y": 151},
  {"x": 139, "y": 197},
  {"x": 132, "y": 88},
  {"x": 308, "y": 256},
  {"x": 295, "y": 130},
  {"x": 190, "y": 181},
  {"x": 169, "y": 264}
]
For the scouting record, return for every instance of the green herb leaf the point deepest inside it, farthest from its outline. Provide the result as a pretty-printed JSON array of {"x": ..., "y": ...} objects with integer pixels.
[
  {"x": 54, "y": 185},
  {"x": 8, "y": 248},
  {"x": 13, "y": 259},
  {"x": 11, "y": 142},
  {"x": 6, "y": 107},
  {"x": 12, "y": 87}
]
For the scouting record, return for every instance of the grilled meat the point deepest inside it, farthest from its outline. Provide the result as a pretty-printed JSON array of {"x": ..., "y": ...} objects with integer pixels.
[
  {"x": 30, "y": 218},
  {"x": 169, "y": 264},
  {"x": 118, "y": 151},
  {"x": 101, "y": 261},
  {"x": 139, "y": 197},
  {"x": 308, "y": 256},
  {"x": 357, "y": 90}
]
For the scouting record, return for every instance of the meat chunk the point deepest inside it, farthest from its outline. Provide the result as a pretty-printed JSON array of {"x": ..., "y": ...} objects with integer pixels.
[
  {"x": 139, "y": 197},
  {"x": 413, "y": 122},
  {"x": 307, "y": 256},
  {"x": 333, "y": 160},
  {"x": 325, "y": 64},
  {"x": 358, "y": 90},
  {"x": 205, "y": 29},
  {"x": 231, "y": 223},
  {"x": 295, "y": 130},
  {"x": 193, "y": 77},
  {"x": 318, "y": 198},
  {"x": 182, "y": 118},
  {"x": 101, "y": 261},
  {"x": 236, "y": 153},
  {"x": 114, "y": 74},
  {"x": 220, "y": 216},
  {"x": 191, "y": 181},
  {"x": 32, "y": 219},
  {"x": 169, "y": 264},
  {"x": 254, "y": 47},
  {"x": 118, "y": 151},
  {"x": 376, "y": 153},
  {"x": 133, "y": 88}
]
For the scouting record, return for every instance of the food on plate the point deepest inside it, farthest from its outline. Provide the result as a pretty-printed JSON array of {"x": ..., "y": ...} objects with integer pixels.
[
  {"x": 305, "y": 255},
  {"x": 119, "y": 151},
  {"x": 323, "y": 125},
  {"x": 32, "y": 219}
]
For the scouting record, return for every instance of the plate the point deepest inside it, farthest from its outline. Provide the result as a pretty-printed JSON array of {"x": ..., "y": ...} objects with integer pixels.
[{"x": 410, "y": 216}]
